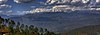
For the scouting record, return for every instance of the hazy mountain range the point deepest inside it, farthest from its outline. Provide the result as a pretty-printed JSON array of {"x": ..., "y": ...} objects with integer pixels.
[{"x": 60, "y": 21}]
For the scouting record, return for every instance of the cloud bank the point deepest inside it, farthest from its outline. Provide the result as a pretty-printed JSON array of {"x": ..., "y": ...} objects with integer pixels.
[
  {"x": 22, "y": 1},
  {"x": 72, "y": 1},
  {"x": 4, "y": 6},
  {"x": 71, "y": 5}
]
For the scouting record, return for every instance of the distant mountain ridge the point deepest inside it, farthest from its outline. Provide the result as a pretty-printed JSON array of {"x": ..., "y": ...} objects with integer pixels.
[{"x": 60, "y": 21}]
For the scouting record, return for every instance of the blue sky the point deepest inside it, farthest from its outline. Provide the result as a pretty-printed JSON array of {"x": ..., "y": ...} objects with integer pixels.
[
  {"x": 20, "y": 6},
  {"x": 13, "y": 6}
]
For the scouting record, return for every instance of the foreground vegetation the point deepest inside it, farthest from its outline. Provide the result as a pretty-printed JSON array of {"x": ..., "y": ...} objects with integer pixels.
[{"x": 15, "y": 28}]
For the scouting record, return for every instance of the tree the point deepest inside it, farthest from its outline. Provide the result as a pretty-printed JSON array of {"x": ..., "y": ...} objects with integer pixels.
[
  {"x": 36, "y": 29},
  {"x": 41, "y": 31},
  {"x": 6, "y": 20},
  {"x": 18, "y": 23},
  {"x": 46, "y": 30},
  {"x": 11, "y": 23},
  {"x": 47, "y": 33},
  {"x": 26, "y": 30},
  {"x": 1, "y": 20},
  {"x": 22, "y": 26},
  {"x": 31, "y": 28},
  {"x": 11, "y": 26},
  {"x": 18, "y": 27},
  {"x": 22, "y": 29}
]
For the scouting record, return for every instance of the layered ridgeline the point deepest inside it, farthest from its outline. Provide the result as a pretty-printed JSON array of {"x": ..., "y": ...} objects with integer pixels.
[
  {"x": 60, "y": 21},
  {"x": 9, "y": 27}
]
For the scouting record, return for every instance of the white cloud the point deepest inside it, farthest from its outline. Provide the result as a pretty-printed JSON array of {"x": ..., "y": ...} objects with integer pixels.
[
  {"x": 62, "y": 1},
  {"x": 98, "y": 1},
  {"x": 17, "y": 1},
  {"x": 56, "y": 8},
  {"x": 67, "y": 1},
  {"x": 85, "y": 1},
  {"x": 58, "y": 1},
  {"x": 75, "y": 0},
  {"x": 22, "y": 1},
  {"x": 51, "y": 1},
  {"x": 0, "y": 11},
  {"x": 4, "y": 6}
]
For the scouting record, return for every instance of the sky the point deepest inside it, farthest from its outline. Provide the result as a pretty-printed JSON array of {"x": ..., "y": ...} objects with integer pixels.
[
  {"x": 17, "y": 5},
  {"x": 20, "y": 7}
]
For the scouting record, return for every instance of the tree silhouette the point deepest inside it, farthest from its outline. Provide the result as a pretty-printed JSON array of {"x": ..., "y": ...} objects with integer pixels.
[
  {"x": 41, "y": 31},
  {"x": 1, "y": 20},
  {"x": 21, "y": 29}
]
